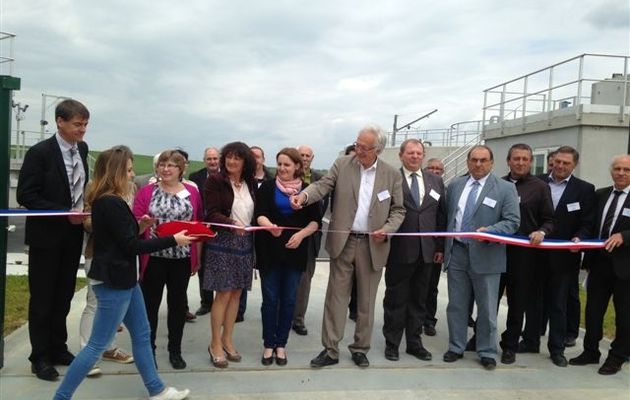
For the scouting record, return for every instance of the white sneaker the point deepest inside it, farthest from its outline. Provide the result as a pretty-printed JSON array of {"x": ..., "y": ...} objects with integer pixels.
[
  {"x": 170, "y": 393},
  {"x": 95, "y": 371}
]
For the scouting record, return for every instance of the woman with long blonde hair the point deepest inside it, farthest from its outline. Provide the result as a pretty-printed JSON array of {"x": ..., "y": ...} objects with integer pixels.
[{"x": 114, "y": 278}]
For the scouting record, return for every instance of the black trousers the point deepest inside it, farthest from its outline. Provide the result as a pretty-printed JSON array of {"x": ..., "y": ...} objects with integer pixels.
[
  {"x": 207, "y": 296},
  {"x": 174, "y": 274},
  {"x": 405, "y": 302},
  {"x": 52, "y": 276},
  {"x": 557, "y": 274},
  {"x": 432, "y": 294},
  {"x": 573, "y": 307},
  {"x": 518, "y": 284},
  {"x": 601, "y": 285}
]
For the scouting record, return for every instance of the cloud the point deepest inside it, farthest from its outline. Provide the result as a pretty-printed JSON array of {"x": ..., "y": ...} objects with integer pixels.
[{"x": 157, "y": 75}]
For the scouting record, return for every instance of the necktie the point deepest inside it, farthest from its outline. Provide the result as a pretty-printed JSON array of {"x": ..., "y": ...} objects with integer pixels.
[
  {"x": 610, "y": 215},
  {"x": 415, "y": 189},
  {"x": 470, "y": 206},
  {"x": 76, "y": 188}
]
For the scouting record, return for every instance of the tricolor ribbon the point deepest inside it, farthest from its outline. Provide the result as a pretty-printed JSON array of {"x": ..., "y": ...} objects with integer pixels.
[
  {"x": 521, "y": 241},
  {"x": 20, "y": 212}
]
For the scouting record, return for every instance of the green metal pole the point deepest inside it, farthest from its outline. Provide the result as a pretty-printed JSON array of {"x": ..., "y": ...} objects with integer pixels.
[{"x": 7, "y": 85}]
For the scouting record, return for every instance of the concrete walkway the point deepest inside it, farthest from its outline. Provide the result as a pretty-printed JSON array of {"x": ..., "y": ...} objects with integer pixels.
[{"x": 533, "y": 376}]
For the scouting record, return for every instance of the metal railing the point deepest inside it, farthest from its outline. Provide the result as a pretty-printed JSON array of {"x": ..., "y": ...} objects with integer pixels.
[
  {"x": 6, "y": 53},
  {"x": 561, "y": 86},
  {"x": 457, "y": 135}
]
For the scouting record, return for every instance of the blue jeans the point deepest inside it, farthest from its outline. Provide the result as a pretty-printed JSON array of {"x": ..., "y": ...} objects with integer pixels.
[
  {"x": 279, "y": 289},
  {"x": 113, "y": 307}
]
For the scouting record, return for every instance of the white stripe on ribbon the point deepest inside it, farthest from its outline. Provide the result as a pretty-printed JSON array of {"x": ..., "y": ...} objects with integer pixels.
[{"x": 550, "y": 244}]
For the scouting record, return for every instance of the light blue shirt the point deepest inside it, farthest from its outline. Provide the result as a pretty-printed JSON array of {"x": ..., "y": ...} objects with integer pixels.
[{"x": 557, "y": 189}]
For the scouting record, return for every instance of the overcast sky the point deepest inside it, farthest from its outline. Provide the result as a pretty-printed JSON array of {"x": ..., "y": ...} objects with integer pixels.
[{"x": 281, "y": 73}]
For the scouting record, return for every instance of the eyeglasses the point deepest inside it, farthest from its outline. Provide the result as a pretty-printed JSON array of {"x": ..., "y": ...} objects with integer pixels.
[
  {"x": 362, "y": 147},
  {"x": 168, "y": 166}
]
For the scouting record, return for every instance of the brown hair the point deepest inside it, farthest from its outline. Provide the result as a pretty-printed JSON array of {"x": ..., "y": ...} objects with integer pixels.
[
  {"x": 294, "y": 156},
  {"x": 70, "y": 108},
  {"x": 174, "y": 156},
  {"x": 110, "y": 175}
]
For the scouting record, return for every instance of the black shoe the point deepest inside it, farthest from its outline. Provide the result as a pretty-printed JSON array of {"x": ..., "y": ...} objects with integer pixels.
[
  {"x": 240, "y": 318},
  {"x": 508, "y": 357},
  {"x": 569, "y": 342},
  {"x": 584, "y": 359},
  {"x": 300, "y": 330},
  {"x": 323, "y": 360},
  {"x": 429, "y": 330},
  {"x": 266, "y": 361},
  {"x": 177, "y": 361},
  {"x": 559, "y": 360},
  {"x": 488, "y": 363},
  {"x": 44, "y": 370},
  {"x": 64, "y": 358},
  {"x": 353, "y": 316},
  {"x": 610, "y": 367},
  {"x": 360, "y": 360},
  {"x": 391, "y": 353},
  {"x": 281, "y": 361},
  {"x": 524, "y": 348},
  {"x": 451, "y": 356},
  {"x": 190, "y": 317},
  {"x": 420, "y": 353},
  {"x": 203, "y": 310},
  {"x": 471, "y": 345}
]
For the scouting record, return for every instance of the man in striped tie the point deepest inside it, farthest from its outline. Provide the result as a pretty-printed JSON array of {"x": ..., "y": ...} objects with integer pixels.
[{"x": 53, "y": 177}]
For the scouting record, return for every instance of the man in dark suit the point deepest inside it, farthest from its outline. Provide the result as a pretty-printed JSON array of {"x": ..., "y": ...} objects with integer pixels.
[
  {"x": 411, "y": 259},
  {"x": 536, "y": 222},
  {"x": 609, "y": 272},
  {"x": 478, "y": 202},
  {"x": 435, "y": 166},
  {"x": 314, "y": 243},
  {"x": 53, "y": 177},
  {"x": 368, "y": 206},
  {"x": 211, "y": 160},
  {"x": 573, "y": 201}
]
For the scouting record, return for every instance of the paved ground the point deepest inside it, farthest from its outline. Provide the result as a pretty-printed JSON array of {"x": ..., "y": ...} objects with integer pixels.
[{"x": 531, "y": 377}]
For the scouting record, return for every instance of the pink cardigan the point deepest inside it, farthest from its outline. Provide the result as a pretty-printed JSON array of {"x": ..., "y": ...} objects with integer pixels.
[{"x": 141, "y": 207}]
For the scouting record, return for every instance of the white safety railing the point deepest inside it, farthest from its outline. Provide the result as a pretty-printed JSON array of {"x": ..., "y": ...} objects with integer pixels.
[
  {"x": 564, "y": 86},
  {"x": 7, "y": 57}
]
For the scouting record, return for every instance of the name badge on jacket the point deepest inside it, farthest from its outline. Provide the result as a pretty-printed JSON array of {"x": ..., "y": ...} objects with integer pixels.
[
  {"x": 573, "y": 206},
  {"x": 182, "y": 194},
  {"x": 489, "y": 202},
  {"x": 435, "y": 195},
  {"x": 384, "y": 195},
  {"x": 626, "y": 212}
]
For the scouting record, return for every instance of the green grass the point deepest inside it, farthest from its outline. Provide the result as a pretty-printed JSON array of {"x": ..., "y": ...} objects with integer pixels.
[
  {"x": 609, "y": 317},
  {"x": 16, "y": 301},
  {"x": 144, "y": 164}
]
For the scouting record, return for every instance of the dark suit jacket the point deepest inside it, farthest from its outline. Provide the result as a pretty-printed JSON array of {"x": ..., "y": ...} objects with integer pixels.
[
  {"x": 621, "y": 255},
  {"x": 116, "y": 243},
  {"x": 270, "y": 250},
  {"x": 570, "y": 224},
  {"x": 199, "y": 177},
  {"x": 43, "y": 185},
  {"x": 316, "y": 238},
  {"x": 429, "y": 217}
]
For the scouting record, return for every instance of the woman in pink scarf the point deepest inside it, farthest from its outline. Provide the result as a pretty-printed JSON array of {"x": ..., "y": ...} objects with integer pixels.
[{"x": 281, "y": 253}]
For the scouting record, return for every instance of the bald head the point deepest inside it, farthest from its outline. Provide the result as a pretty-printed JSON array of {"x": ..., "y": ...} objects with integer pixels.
[{"x": 306, "y": 152}]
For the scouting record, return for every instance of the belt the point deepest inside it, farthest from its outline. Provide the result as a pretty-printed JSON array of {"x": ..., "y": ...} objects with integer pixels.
[{"x": 359, "y": 235}]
